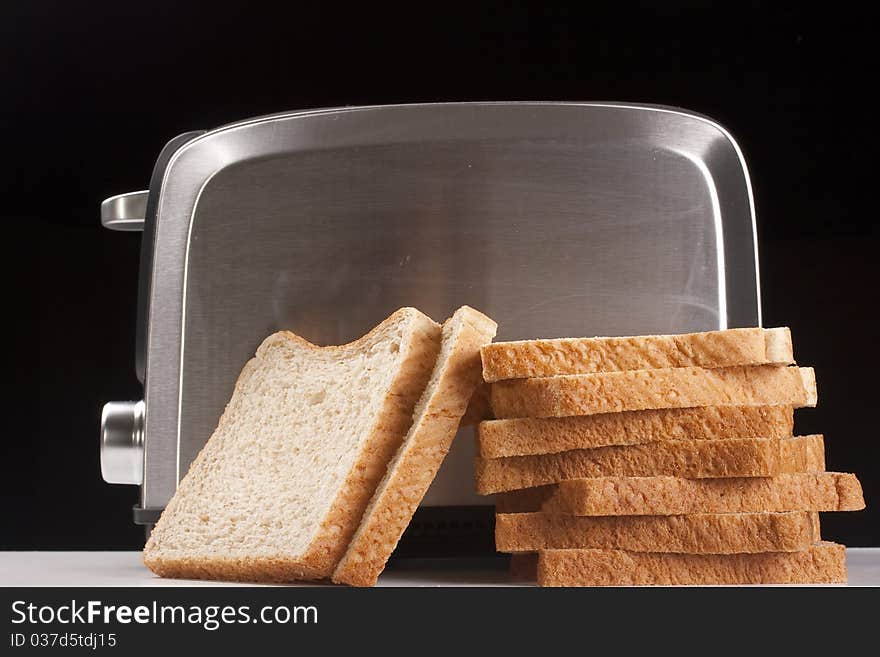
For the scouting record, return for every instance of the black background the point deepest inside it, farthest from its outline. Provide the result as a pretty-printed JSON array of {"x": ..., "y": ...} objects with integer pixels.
[{"x": 91, "y": 91}]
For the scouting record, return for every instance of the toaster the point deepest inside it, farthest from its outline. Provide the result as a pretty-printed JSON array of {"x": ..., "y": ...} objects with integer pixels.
[{"x": 555, "y": 219}]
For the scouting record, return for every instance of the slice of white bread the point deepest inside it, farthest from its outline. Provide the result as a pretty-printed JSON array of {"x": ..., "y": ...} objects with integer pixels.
[
  {"x": 279, "y": 488},
  {"x": 613, "y": 392},
  {"x": 694, "y": 459},
  {"x": 713, "y": 349},
  {"x": 410, "y": 473},
  {"x": 648, "y": 496},
  {"x": 524, "y": 436},
  {"x": 699, "y": 533},
  {"x": 823, "y": 563}
]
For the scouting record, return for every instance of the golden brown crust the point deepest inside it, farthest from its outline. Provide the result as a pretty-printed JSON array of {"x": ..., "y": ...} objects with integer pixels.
[
  {"x": 239, "y": 569},
  {"x": 320, "y": 558},
  {"x": 416, "y": 464},
  {"x": 613, "y": 392},
  {"x": 823, "y": 563},
  {"x": 523, "y": 436},
  {"x": 695, "y": 459},
  {"x": 629, "y": 496},
  {"x": 702, "y": 533},
  {"x": 713, "y": 349}
]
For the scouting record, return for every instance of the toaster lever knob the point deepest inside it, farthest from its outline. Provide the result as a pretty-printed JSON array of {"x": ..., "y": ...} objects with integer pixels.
[
  {"x": 122, "y": 442},
  {"x": 125, "y": 211}
]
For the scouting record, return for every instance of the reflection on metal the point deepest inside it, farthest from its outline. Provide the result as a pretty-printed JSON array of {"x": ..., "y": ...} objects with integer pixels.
[{"x": 556, "y": 219}]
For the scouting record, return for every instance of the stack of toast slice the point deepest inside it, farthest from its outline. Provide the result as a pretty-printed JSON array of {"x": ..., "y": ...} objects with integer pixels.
[{"x": 658, "y": 460}]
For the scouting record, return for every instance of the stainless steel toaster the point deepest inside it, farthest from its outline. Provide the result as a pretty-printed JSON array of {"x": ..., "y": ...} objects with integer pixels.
[{"x": 556, "y": 219}]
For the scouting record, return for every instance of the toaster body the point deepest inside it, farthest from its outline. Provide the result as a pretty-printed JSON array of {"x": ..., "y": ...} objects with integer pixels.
[{"x": 555, "y": 219}]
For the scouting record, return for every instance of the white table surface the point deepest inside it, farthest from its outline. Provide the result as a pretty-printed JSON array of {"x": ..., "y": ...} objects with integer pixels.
[{"x": 125, "y": 569}]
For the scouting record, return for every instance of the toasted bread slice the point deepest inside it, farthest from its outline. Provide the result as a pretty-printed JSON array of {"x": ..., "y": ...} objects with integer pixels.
[
  {"x": 638, "y": 496},
  {"x": 823, "y": 563},
  {"x": 694, "y": 459},
  {"x": 699, "y": 533},
  {"x": 712, "y": 349},
  {"x": 613, "y": 392},
  {"x": 524, "y": 436}
]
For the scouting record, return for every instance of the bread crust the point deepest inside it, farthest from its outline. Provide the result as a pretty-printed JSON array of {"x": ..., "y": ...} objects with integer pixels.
[
  {"x": 631, "y": 496},
  {"x": 701, "y": 533},
  {"x": 658, "y": 460},
  {"x": 712, "y": 349},
  {"x": 318, "y": 560},
  {"x": 524, "y": 436},
  {"x": 696, "y": 459},
  {"x": 409, "y": 475},
  {"x": 823, "y": 563},
  {"x": 613, "y": 392}
]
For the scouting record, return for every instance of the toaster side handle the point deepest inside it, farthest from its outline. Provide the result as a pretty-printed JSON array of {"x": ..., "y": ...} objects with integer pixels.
[{"x": 125, "y": 211}]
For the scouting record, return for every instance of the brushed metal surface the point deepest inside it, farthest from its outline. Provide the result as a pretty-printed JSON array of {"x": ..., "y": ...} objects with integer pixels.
[
  {"x": 122, "y": 442},
  {"x": 125, "y": 211},
  {"x": 555, "y": 219}
]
